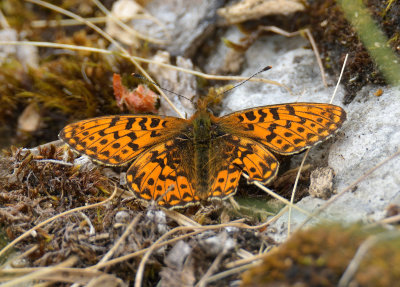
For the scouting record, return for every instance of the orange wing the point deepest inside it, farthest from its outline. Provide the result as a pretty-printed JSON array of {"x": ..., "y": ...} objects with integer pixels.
[
  {"x": 286, "y": 128},
  {"x": 239, "y": 154},
  {"x": 116, "y": 140},
  {"x": 164, "y": 174}
]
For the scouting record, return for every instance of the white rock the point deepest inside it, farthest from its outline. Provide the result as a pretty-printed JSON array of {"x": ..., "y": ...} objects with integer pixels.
[
  {"x": 292, "y": 65},
  {"x": 187, "y": 22},
  {"x": 370, "y": 134},
  {"x": 27, "y": 55}
]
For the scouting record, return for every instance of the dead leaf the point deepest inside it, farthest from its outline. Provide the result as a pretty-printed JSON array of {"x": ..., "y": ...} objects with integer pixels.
[
  {"x": 29, "y": 120},
  {"x": 255, "y": 9}
]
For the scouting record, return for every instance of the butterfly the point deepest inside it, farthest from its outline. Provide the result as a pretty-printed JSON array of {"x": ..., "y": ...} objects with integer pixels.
[{"x": 179, "y": 162}]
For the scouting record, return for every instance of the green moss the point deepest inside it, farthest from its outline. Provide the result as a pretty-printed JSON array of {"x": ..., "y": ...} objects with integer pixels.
[
  {"x": 319, "y": 256},
  {"x": 66, "y": 88}
]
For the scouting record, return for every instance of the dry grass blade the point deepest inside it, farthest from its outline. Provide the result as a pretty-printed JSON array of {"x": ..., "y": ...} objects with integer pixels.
[
  {"x": 251, "y": 259},
  {"x": 143, "y": 60},
  {"x": 181, "y": 219},
  {"x": 294, "y": 190},
  {"x": 40, "y": 273},
  {"x": 391, "y": 220},
  {"x": 340, "y": 78},
  {"x": 58, "y": 273},
  {"x": 230, "y": 272}
]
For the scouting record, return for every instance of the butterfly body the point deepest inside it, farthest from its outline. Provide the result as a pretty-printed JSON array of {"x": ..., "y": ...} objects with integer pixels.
[
  {"x": 201, "y": 145},
  {"x": 179, "y": 162}
]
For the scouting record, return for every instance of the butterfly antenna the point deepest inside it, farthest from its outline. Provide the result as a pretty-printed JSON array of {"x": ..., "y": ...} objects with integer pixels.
[
  {"x": 138, "y": 76},
  {"x": 244, "y": 81}
]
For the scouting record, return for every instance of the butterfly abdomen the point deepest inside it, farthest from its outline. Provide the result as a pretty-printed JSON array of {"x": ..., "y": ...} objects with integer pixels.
[{"x": 201, "y": 142}]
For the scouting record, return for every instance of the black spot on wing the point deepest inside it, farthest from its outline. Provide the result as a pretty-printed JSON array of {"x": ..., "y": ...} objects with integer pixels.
[
  {"x": 249, "y": 127},
  {"x": 300, "y": 129},
  {"x": 263, "y": 115},
  {"x": 116, "y": 135},
  {"x": 155, "y": 134},
  {"x": 117, "y": 158},
  {"x": 114, "y": 121},
  {"x": 288, "y": 134},
  {"x": 297, "y": 141},
  {"x": 309, "y": 136},
  {"x": 142, "y": 124},
  {"x": 270, "y": 137},
  {"x": 133, "y": 146},
  {"x": 154, "y": 122},
  {"x": 130, "y": 123},
  {"x": 250, "y": 115},
  {"x": 93, "y": 149},
  {"x": 291, "y": 110},
  {"x": 275, "y": 114},
  {"x": 106, "y": 153},
  {"x": 132, "y": 136}
]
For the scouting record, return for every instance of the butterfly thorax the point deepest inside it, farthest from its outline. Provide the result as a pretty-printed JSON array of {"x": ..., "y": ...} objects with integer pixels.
[{"x": 202, "y": 136}]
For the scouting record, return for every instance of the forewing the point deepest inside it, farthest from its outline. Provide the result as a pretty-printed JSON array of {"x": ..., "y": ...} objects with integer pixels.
[
  {"x": 115, "y": 140},
  {"x": 164, "y": 174},
  {"x": 286, "y": 128},
  {"x": 234, "y": 155}
]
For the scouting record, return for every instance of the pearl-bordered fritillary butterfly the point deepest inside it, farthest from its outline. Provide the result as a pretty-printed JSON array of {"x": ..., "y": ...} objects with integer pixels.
[{"x": 178, "y": 162}]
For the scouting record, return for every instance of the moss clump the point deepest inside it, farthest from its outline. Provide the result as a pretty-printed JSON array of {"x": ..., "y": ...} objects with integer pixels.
[{"x": 319, "y": 257}]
